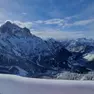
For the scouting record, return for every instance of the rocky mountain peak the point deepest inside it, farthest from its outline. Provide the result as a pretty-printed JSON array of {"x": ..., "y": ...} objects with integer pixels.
[
  {"x": 10, "y": 25},
  {"x": 12, "y": 28}
]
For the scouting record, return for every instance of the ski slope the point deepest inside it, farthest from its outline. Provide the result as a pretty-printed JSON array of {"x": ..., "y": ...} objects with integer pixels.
[{"x": 11, "y": 84}]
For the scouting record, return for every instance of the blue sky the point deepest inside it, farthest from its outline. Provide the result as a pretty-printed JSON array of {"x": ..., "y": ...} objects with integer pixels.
[{"x": 49, "y": 18}]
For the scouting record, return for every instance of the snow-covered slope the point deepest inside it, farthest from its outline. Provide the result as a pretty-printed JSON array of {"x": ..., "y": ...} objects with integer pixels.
[{"x": 10, "y": 84}]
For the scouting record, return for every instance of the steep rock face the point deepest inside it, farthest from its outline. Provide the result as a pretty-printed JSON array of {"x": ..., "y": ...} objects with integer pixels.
[{"x": 18, "y": 47}]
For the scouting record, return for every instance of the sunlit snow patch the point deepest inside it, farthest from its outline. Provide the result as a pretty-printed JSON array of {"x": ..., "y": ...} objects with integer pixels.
[{"x": 89, "y": 57}]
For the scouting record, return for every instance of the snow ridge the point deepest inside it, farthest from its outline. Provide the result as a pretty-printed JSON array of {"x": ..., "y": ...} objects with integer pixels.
[{"x": 11, "y": 84}]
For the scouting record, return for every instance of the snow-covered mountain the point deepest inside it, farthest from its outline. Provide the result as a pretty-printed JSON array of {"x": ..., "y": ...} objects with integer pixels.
[
  {"x": 78, "y": 45},
  {"x": 25, "y": 54},
  {"x": 18, "y": 47},
  {"x": 82, "y": 50}
]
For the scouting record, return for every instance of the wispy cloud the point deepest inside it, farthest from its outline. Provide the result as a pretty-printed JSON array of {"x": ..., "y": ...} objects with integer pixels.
[
  {"x": 66, "y": 22},
  {"x": 55, "y": 21},
  {"x": 81, "y": 22},
  {"x": 24, "y": 13},
  {"x": 23, "y": 24},
  {"x": 39, "y": 22},
  {"x": 60, "y": 24},
  {"x": 59, "y": 35},
  {"x": 51, "y": 21}
]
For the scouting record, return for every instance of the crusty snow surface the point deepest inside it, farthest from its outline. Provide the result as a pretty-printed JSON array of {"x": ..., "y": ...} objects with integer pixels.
[{"x": 11, "y": 84}]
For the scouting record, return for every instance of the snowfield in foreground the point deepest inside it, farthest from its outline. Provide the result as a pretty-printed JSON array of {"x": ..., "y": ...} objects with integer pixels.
[{"x": 11, "y": 84}]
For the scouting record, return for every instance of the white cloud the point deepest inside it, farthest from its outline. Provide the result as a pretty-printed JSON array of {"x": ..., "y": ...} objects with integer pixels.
[
  {"x": 39, "y": 22},
  {"x": 58, "y": 22},
  {"x": 23, "y": 24},
  {"x": 58, "y": 34},
  {"x": 65, "y": 22},
  {"x": 55, "y": 21},
  {"x": 24, "y": 13}
]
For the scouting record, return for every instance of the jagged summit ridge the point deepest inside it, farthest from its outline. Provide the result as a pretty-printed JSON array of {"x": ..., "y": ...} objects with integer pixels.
[{"x": 11, "y": 28}]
